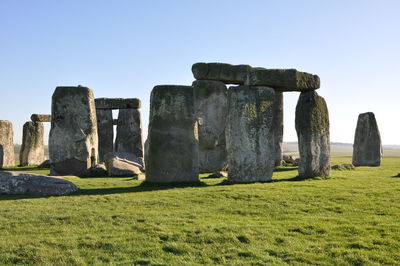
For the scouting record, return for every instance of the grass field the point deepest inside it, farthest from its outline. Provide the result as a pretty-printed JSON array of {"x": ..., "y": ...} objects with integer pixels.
[{"x": 350, "y": 219}]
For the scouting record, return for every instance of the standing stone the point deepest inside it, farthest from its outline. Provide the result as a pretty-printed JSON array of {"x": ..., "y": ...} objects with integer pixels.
[
  {"x": 7, "y": 157},
  {"x": 211, "y": 113},
  {"x": 129, "y": 133},
  {"x": 172, "y": 143},
  {"x": 250, "y": 134},
  {"x": 32, "y": 148},
  {"x": 73, "y": 141},
  {"x": 367, "y": 148},
  {"x": 105, "y": 132},
  {"x": 312, "y": 126},
  {"x": 278, "y": 127}
]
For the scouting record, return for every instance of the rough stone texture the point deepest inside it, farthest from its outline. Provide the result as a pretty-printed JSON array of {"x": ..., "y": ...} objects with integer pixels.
[
  {"x": 16, "y": 183},
  {"x": 278, "y": 127},
  {"x": 105, "y": 132},
  {"x": 45, "y": 164},
  {"x": 312, "y": 126},
  {"x": 211, "y": 112},
  {"x": 73, "y": 141},
  {"x": 32, "y": 148},
  {"x": 129, "y": 133},
  {"x": 7, "y": 157},
  {"x": 40, "y": 118},
  {"x": 367, "y": 147},
  {"x": 99, "y": 170},
  {"x": 117, "y": 103},
  {"x": 172, "y": 142},
  {"x": 283, "y": 79},
  {"x": 229, "y": 74},
  {"x": 123, "y": 164},
  {"x": 346, "y": 166},
  {"x": 250, "y": 134}
]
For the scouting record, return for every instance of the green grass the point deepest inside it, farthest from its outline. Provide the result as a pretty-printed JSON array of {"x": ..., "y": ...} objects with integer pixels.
[{"x": 350, "y": 219}]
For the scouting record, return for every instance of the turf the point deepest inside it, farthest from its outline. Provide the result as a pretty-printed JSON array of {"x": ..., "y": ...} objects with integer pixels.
[{"x": 352, "y": 218}]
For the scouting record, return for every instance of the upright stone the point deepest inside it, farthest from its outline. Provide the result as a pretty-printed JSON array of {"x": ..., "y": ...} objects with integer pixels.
[
  {"x": 250, "y": 134},
  {"x": 7, "y": 157},
  {"x": 211, "y": 112},
  {"x": 105, "y": 132},
  {"x": 73, "y": 141},
  {"x": 172, "y": 142},
  {"x": 278, "y": 127},
  {"x": 312, "y": 126},
  {"x": 129, "y": 133},
  {"x": 367, "y": 148},
  {"x": 32, "y": 148}
]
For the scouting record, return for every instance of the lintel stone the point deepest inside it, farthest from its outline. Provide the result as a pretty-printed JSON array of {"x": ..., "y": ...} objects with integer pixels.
[
  {"x": 117, "y": 103},
  {"x": 40, "y": 118}
]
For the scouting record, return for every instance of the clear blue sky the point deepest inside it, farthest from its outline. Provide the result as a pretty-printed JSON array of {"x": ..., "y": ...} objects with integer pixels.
[{"x": 125, "y": 48}]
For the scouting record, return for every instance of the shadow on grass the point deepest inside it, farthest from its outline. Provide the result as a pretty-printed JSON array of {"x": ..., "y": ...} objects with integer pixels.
[{"x": 23, "y": 168}]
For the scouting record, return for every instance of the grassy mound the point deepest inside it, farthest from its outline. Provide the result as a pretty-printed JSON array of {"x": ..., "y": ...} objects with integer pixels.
[{"x": 352, "y": 218}]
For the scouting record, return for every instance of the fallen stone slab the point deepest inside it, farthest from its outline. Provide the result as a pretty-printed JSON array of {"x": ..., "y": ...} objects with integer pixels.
[
  {"x": 16, "y": 183},
  {"x": 45, "y": 164},
  {"x": 99, "y": 170},
  {"x": 40, "y": 118},
  {"x": 226, "y": 73},
  {"x": 283, "y": 79},
  {"x": 346, "y": 166},
  {"x": 123, "y": 164},
  {"x": 117, "y": 103}
]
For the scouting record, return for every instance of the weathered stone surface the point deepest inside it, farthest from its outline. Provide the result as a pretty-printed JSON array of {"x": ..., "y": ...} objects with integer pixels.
[
  {"x": 7, "y": 157},
  {"x": 129, "y": 133},
  {"x": 346, "y": 166},
  {"x": 172, "y": 142},
  {"x": 40, "y": 118},
  {"x": 105, "y": 131},
  {"x": 123, "y": 164},
  {"x": 250, "y": 134},
  {"x": 367, "y": 147},
  {"x": 211, "y": 112},
  {"x": 73, "y": 140},
  {"x": 277, "y": 125},
  {"x": 32, "y": 148},
  {"x": 283, "y": 79},
  {"x": 312, "y": 126},
  {"x": 229, "y": 74},
  {"x": 99, "y": 170},
  {"x": 117, "y": 103},
  {"x": 16, "y": 183},
  {"x": 45, "y": 164}
]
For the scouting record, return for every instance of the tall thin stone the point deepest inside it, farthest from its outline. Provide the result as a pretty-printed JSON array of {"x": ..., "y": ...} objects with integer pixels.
[
  {"x": 105, "y": 132},
  {"x": 211, "y": 113},
  {"x": 367, "y": 148},
  {"x": 129, "y": 132},
  {"x": 7, "y": 156},
  {"x": 172, "y": 142},
  {"x": 312, "y": 126},
  {"x": 32, "y": 148},
  {"x": 278, "y": 127},
  {"x": 250, "y": 134},
  {"x": 73, "y": 140}
]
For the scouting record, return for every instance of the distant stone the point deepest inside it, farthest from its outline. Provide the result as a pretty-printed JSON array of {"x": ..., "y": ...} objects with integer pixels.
[
  {"x": 105, "y": 129},
  {"x": 123, "y": 164},
  {"x": 278, "y": 127},
  {"x": 32, "y": 148},
  {"x": 289, "y": 159},
  {"x": 367, "y": 147},
  {"x": 73, "y": 140},
  {"x": 17, "y": 183},
  {"x": 283, "y": 79},
  {"x": 40, "y": 118},
  {"x": 45, "y": 164},
  {"x": 226, "y": 73},
  {"x": 117, "y": 103},
  {"x": 250, "y": 134},
  {"x": 172, "y": 142},
  {"x": 312, "y": 126},
  {"x": 129, "y": 132},
  {"x": 211, "y": 113},
  {"x": 347, "y": 166},
  {"x": 99, "y": 170},
  {"x": 7, "y": 156},
  {"x": 218, "y": 175}
]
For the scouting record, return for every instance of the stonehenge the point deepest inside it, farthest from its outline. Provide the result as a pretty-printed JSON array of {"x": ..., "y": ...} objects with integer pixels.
[
  {"x": 172, "y": 142},
  {"x": 32, "y": 148},
  {"x": 277, "y": 124},
  {"x": 105, "y": 130},
  {"x": 367, "y": 147},
  {"x": 129, "y": 133},
  {"x": 40, "y": 118},
  {"x": 73, "y": 140},
  {"x": 7, "y": 157}
]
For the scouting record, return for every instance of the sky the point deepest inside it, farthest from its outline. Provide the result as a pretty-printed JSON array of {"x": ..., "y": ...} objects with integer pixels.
[{"x": 125, "y": 48}]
